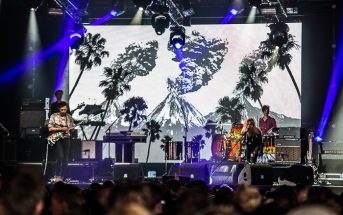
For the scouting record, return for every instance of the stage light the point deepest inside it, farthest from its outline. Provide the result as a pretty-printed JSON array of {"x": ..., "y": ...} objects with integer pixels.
[
  {"x": 233, "y": 11},
  {"x": 278, "y": 33},
  {"x": 254, "y": 3},
  {"x": 77, "y": 38},
  {"x": 318, "y": 139},
  {"x": 114, "y": 13},
  {"x": 160, "y": 22},
  {"x": 177, "y": 36},
  {"x": 142, "y": 3},
  {"x": 34, "y": 4}
]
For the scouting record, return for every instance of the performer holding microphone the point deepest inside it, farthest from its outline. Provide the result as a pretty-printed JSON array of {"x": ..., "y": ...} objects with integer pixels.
[{"x": 252, "y": 140}]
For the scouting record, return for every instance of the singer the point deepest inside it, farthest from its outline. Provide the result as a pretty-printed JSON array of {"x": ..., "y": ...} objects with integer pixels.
[{"x": 252, "y": 140}]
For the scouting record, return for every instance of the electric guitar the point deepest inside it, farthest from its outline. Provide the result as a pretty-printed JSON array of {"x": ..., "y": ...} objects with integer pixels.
[
  {"x": 309, "y": 157},
  {"x": 58, "y": 135}
]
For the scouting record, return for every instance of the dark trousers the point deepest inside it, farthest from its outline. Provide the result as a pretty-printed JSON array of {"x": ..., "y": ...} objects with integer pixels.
[
  {"x": 62, "y": 148},
  {"x": 251, "y": 153}
]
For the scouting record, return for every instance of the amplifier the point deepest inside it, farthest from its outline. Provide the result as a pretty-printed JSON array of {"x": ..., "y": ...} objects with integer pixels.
[
  {"x": 331, "y": 163},
  {"x": 32, "y": 119},
  {"x": 288, "y": 150},
  {"x": 289, "y": 132},
  {"x": 287, "y": 142},
  {"x": 30, "y": 132}
]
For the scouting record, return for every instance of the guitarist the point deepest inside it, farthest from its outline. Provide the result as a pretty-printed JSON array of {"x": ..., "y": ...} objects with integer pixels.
[{"x": 60, "y": 125}]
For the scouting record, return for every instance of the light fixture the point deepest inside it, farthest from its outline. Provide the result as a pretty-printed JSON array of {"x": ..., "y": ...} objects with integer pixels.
[
  {"x": 177, "y": 36},
  {"x": 234, "y": 11},
  {"x": 161, "y": 19},
  {"x": 34, "y": 3},
  {"x": 77, "y": 37},
  {"x": 114, "y": 13},
  {"x": 278, "y": 35},
  {"x": 142, "y": 3}
]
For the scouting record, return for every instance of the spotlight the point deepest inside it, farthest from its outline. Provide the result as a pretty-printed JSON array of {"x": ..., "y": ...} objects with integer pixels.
[
  {"x": 34, "y": 3},
  {"x": 318, "y": 139},
  {"x": 142, "y": 3},
  {"x": 254, "y": 3},
  {"x": 177, "y": 36},
  {"x": 278, "y": 33},
  {"x": 77, "y": 38},
  {"x": 160, "y": 20},
  {"x": 114, "y": 13},
  {"x": 233, "y": 11}
]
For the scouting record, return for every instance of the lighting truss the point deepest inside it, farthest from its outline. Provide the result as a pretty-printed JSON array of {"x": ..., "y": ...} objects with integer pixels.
[
  {"x": 176, "y": 15},
  {"x": 72, "y": 10},
  {"x": 271, "y": 9}
]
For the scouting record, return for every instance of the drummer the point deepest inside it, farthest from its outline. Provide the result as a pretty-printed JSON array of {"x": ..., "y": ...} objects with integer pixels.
[{"x": 266, "y": 123}]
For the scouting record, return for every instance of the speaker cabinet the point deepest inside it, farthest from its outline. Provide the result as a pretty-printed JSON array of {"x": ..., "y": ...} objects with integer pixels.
[
  {"x": 299, "y": 174},
  {"x": 9, "y": 169},
  {"x": 256, "y": 174},
  {"x": 32, "y": 118},
  {"x": 195, "y": 171},
  {"x": 128, "y": 171},
  {"x": 288, "y": 150},
  {"x": 331, "y": 163},
  {"x": 82, "y": 171},
  {"x": 31, "y": 149},
  {"x": 226, "y": 173}
]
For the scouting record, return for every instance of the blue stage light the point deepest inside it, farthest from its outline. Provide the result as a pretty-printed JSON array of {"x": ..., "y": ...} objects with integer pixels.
[
  {"x": 177, "y": 36},
  {"x": 177, "y": 45},
  {"x": 233, "y": 11},
  {"x": 114, "y": 13},
  {"x": 318, "y": 139}
]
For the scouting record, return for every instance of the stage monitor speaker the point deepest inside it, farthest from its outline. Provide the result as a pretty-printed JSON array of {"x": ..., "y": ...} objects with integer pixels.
[
  {"x": 256, "y": 174},
  {"x": 82, "y": 171},
  {"x": 128, "y": 171},
  {"x": 195, "y": 171},
  {"x": 35, "y": 168},
  {"x": 298, "y": 174},
  {"x": 226, "y": 173}
]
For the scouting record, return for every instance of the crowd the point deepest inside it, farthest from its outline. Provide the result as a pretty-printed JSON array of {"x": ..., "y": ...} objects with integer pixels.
[{"x": 27, "y": 194}]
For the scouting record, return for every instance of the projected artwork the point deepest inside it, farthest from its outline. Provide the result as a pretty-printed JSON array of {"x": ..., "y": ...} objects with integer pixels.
[{"x": 127, "y": 76}]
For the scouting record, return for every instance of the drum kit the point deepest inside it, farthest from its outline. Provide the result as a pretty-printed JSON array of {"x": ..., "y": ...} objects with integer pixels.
[
  {"x": 231, "y": 147},
  {"x": 225, "y": 146}
]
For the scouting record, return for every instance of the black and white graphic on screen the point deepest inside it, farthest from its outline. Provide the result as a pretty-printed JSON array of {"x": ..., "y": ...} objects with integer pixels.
[{"x": 223, "y": 74}]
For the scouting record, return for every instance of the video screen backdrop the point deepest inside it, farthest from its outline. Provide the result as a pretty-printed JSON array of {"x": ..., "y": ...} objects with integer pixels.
[{"x": 220, "y": 76}]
